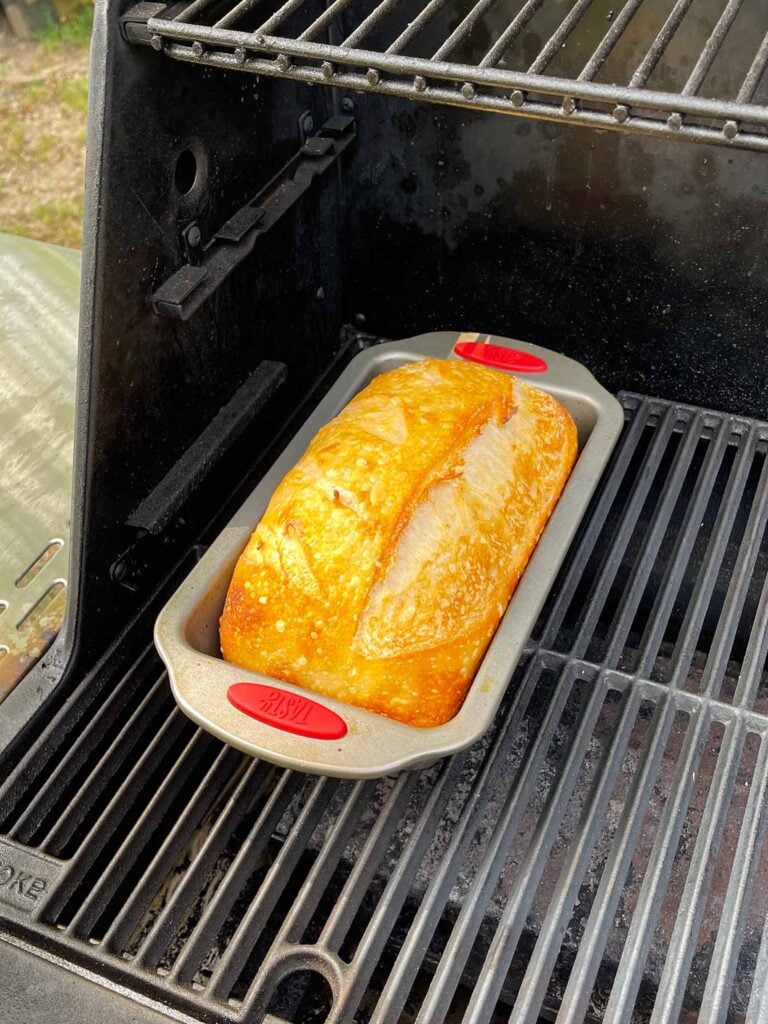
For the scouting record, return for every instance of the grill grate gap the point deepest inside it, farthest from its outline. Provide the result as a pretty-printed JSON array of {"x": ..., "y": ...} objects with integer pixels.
[{"x": 304, "y": 997}]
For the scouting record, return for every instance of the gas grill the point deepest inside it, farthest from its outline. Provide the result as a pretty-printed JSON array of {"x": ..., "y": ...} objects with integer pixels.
[{"x": 600, "y": 854}]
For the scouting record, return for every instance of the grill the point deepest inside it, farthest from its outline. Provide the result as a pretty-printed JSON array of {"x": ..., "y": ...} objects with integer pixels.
[
  {"x": 598, "y": 855},
  {"x": 682, "y": 70}
]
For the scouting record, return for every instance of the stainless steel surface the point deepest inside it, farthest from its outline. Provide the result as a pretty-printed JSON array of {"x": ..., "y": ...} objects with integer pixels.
[
  {"x": 580, "y": 63},
  {"x": 187, "y": 636},
  {"x": 39, "y": 297}
]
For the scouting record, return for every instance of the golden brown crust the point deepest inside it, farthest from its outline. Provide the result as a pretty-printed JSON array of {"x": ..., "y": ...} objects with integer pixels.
[{"x": 388, "y": 554}]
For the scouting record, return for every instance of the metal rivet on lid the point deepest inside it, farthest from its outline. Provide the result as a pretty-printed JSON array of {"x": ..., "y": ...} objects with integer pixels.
[
  {"x": 569, "y": 105},
  {"x": 156, "y": 42},
  {"x": 326, "y": 69},
  {"x": 239, "y": 55},
  {"x": 468, "y": 91},
  {"x": 730, "y": 130},
  {"x": 419, "y": 83},
  {"x": 282, "y": 61},
  {"x": 518, "y": 98},
  {"x": 620, "y": 113},
  {"x": 197, "y": 48},
  {"x": 373, "y": 76},
  {"x": 675, "y": 121}
]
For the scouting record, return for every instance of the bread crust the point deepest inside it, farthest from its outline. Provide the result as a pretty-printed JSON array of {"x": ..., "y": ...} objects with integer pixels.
[{"x": 387, "y": 555}]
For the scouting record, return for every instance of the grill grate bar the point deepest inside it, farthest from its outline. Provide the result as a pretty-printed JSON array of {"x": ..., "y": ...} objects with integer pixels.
[
  {"x": 459, "y": 945},
  {"x": 275, "y": 20},
  {"x": 682, "y": 946},
  {"x": 647, "y": 910},
  {"x": 510, "y": 33},
  {"x": 660, "y": 43},
  {"x": 362, "y": 874},
  {"x": 717, "y": 992},
  {"x": 615, "y": 552},
  {"x": 323, "y": 21},
  {"x": 609, "y": 40},
  {"x": 177, "y": 837},
  {"x": 251, "y": 787},
  {"x": 367, "y": 25},
  {"x": 396, "y": 891},
  {"x": 50, "y": 793},
  {"x": 308, "y": 54},
  {"x": 512, "y": 921},
  {"x": 757, "y": 1009},
  {"x": 582, "y": 978},
  {"x": 711, "y": 47},
  {"x": 15, "y": 789},
  {"x": 685, "y": 646},
  {"x": 100, "y": 894},
  {"x": 757, "y": 649},
  {"x": 208, "y": 927},
  {"x": 595, "y": 530},
  {"x": 755, "y": 73},
  {"x": 463, "y": 29},
  {"x": 125, "y": 796},
  {"x": 425, "y": 15},
  {"x": 738, "y": 589},
  {"x": 273, "y": 885},
  {"x": 635, "y": 587},
  {"x": 298, "y": 917},
  {"x": 557, "y": 40},
  {"x": 684, "y": 546},
  {"x": 406, "y": 965},
  {"x": 62, "y": 832},
  {"x": 533, "y": 988}
]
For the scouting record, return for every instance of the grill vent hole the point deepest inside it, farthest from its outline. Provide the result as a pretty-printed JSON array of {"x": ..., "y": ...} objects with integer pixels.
[{"x": 186, "y": 171}]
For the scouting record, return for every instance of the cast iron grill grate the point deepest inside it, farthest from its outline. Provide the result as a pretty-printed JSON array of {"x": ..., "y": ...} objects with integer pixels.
[
  {"x": 600, "y": 854},
  {"x": 670, "y": 68}
]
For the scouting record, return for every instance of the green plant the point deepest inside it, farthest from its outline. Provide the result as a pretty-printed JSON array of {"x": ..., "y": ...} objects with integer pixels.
[
  {"x": 43, "y": 146},
  {"x": 73, "y": 92},
  {"x": 63, "y": 221},
  {"x": 74, "y": 29},
  {"x": 12, "y": 137}
]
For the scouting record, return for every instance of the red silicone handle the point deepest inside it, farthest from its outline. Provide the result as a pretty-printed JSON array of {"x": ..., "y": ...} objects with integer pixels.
[
  {"x": 288, "y": 711},
  {"x": 500, "y": 357}
]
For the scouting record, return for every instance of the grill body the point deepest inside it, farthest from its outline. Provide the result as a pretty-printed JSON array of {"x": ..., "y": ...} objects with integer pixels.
[{"x": 600, "y": 854}]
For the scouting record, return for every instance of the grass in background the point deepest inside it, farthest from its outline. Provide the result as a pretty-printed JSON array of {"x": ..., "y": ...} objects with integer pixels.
[
  {"x": 43, "y": 105},
  {"x": 76, "y": 28}
]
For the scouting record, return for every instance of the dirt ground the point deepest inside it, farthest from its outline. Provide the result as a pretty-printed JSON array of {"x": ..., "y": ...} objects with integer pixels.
[{"x": 43, "y": 102}]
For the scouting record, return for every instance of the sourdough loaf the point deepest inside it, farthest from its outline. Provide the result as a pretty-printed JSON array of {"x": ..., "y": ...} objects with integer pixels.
[{"x": 388, "y": 554}]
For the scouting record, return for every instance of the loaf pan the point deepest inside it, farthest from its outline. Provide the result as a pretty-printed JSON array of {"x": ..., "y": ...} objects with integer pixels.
[{"x": 293, "y": 727}]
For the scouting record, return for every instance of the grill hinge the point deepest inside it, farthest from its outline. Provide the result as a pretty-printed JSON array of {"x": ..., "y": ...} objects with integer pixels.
[{"x": 190, "y": 286}]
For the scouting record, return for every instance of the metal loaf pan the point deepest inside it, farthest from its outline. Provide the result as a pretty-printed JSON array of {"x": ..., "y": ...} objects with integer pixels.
[{"x": 186, "y": 632}]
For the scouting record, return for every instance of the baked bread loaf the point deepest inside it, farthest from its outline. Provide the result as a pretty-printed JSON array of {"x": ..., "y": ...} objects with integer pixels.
[{"x": 388, "y": 554}]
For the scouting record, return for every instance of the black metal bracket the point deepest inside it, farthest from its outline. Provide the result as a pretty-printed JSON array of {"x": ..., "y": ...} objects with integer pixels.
[
  {"x": 134, "y": 22},
  {"x": 190, "y": 286}
]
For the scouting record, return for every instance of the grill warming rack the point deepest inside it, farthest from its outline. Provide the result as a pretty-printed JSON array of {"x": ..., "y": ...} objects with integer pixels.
[
  {"x": 656, "y": 67},
  {"x": 601, "y": 851}
]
